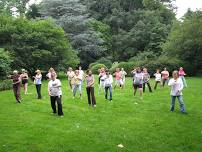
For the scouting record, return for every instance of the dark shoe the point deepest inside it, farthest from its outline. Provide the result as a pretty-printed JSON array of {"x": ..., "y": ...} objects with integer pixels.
[
  {"x": 184, "y": 113},
  {"x": 19, "y": 101}
]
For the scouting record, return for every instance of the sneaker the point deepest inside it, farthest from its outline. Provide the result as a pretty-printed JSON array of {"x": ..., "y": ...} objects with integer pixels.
[
  {"x": 184, "y": 113},
  {"x": 94, "y": 106},
  {"x": 61, "y": 116},
  {"x": 19, "y": 101}
]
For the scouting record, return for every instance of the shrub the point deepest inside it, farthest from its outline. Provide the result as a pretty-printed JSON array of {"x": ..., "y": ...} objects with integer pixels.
[
  {"x": 92, "y": 64},
  {"x": 95, "y": 68},
  {"x": 105, "y": 61},
  {"x": 5, "y": 85}
]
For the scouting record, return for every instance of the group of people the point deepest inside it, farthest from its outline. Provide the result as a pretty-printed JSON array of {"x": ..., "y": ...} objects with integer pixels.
[{"x": 141, "y": 79}]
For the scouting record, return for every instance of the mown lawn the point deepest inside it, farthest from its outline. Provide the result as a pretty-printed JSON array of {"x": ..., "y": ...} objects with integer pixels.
[{"x": 139, "y": 125}]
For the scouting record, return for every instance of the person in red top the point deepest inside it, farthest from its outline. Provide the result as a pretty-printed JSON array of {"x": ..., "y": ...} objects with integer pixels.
[
  {"x": 118, "y": 78},
  {"x": 16, "y": 85},
  {"x": 165, "y": 76}
]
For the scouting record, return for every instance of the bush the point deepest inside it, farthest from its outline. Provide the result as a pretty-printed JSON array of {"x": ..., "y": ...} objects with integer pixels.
[
  {"x": 92, "y": 64},
  {"x": 95, "y": 68},
  {"x": 105, "y": 61},
  {"x": 5, "y": 85}
]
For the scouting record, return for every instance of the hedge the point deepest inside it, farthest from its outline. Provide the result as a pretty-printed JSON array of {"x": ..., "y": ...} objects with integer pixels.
[{"x": 95, "y": 68}]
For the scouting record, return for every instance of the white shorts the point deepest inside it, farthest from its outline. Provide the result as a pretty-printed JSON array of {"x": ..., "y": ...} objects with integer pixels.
[{"x": 119, "y": 82}]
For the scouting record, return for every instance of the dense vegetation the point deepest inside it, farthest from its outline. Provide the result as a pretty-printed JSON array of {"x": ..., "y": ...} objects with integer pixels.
[{"x": 70, "y": 32}]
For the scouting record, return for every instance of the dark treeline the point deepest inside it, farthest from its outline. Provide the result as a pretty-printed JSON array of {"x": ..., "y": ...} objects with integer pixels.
[{"x": 133, "y": 32}]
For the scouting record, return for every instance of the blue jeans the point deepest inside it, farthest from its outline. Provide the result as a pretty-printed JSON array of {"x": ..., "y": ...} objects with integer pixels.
[
  {"x": 77, "y": 87},
  {"x": 181, "y": 102},
  {"x": 110, "y": 92}
]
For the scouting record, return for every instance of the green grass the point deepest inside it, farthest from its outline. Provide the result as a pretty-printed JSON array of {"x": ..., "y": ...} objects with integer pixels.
[{"x": 144, "y": 127}]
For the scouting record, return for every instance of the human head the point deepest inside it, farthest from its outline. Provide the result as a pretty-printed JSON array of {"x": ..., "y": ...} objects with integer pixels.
[
  {"x": 77, "y": 72},
  {"x": 117, "y": 69},
  {"x": 157, "y": 71},
  {"x": 138, "y": 69},
  {"x": 107, "y": 72},
  {"x": 181, "y": 68},
  {"x": 175, "y": 74},
  {"x": 145, "y": 70},
  {"x": 122, "y": 69},
  {"x": 38, "y": 71},
  {"x": 89, "y": 72},
  {"x": 165, "y": 69},
  {"x": 15, "y": 72},
  {"x": 53, "y": 75},
  {"x": 80, "y": 68},
  {"x": 102, "y": 69},
  {"x": 51, "y": 70},
  {"x": 70, "y": 68}
]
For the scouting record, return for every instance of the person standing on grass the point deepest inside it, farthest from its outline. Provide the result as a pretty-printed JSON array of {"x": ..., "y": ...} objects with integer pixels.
[
  {"x": 157, "y": 78},
  {"x": 37, "y": 82},
  {"x": 146, "y": 78},
  {"x": 48, "y": 75},
  {"x": 123, "y": 76},
  {"x": 102, "y": 76},
  {"x": 81, "y": 73},
  {"x": 137, "y": 80},
  {"x": 182, "y": 74},
  {"x": 118, "y": 79},
  {"x": 55, "y": 93},
  {"x": 24, "y": 77},
  {"x": 90, "y": 88},
  {"x": 70, "y": 74},
  {"x": 16, "y": 85},
  {"x": 165, "y": 76},
  {"x": 176, "y": 85},
  {"x": 108, "y": 85},
  {"x": 77, "y": 80}
]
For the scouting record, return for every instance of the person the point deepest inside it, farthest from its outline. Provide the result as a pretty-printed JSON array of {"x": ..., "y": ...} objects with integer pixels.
[
  {"x": 24, "y": 77},
  {"x": 90, "y": 88},
  {"x": 55, "y": 93},
  {"x": 16, "y": 85},
  {"x": 70, "y": 74},
  {"x": 77, "y": 79},
  {"x": 165, "y": 76},
  {"x": 176, "y": 85},
  {"x": 81, "y": 74},
  {"x": 157, "y": 78},
  {"x": 146, "y": 78},
  {"x": 181, "y": 75},
  {"x": 101, "y": 83},
  {"x": 108, "y": 79},
  {"x": 37, "y": 82},
  {"x": 48, "y": 75},
  {"x": 137, "y": 80},
  {"x": 123, "y": 76},
  {"x": 118, "y": 79}
]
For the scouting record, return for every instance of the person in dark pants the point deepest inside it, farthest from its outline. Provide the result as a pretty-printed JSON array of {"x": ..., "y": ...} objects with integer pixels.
[
  {"x": 108, "y": 85},
  {"x": 146, "y": 78},
  {"x": 16, "y": 85},
  {"x": 55, "y": 93},
  {"x": 90, "y": 88},
  {"x": 37, "y": 82}
]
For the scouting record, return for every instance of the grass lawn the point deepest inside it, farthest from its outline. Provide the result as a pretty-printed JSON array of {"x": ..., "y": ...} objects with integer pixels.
[{"x": 139, "y": 125}]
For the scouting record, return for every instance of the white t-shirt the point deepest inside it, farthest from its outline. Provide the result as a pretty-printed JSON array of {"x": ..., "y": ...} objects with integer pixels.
[
  {"x": 157, "y": 76},
  {"x": 81, "y": 74},
  {"x": 70, "y": 75},
  {"x": 54, "y": 87},
  {"x": 108, "y": 80},
  {"x": 176, "y": 87}
]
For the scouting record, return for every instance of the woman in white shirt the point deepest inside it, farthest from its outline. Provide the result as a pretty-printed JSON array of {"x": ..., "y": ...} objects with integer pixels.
[
  {"x": 108, "y": 85},
  {"x": 176, "y": 85},
  {"x": 37, "y": 82},
  {"x": 157, "y": 78},
  {"x": 55, "y": 93}
]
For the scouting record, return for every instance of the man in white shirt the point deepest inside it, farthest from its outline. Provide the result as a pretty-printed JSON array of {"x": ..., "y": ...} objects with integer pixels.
[
  {"x": 176, "y": 85},
  {"x": 55, "y": 93}
]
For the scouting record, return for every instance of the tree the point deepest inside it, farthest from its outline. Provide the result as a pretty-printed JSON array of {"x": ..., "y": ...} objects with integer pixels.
[
  {"x": 185, "y": 42},
  {"x": 72, "y": 15},
  {"x": 5, "y": 62},
  {"x": 36, "y": 44}
]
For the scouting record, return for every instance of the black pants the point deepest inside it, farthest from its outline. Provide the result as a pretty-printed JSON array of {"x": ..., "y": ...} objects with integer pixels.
[
  {"x": 91, "y": 95},
  {"x": 38, "y": 89},
  {"x": 57, "y": 99},
  {"x": 149, "y": 86},
  {"x": 110, "y": 92},
  {"x": 16, "y": 90},
  {"x": 164, "y": 81},
  {"x": 156, "y": 84}
]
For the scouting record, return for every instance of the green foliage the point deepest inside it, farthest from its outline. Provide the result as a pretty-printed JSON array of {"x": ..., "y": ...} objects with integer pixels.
[
  {"x": 92, "y": 64},
  {"x": 185, "y": 42},
  {"x": 143, "y": 56},
  {"x": 96, "y": 67},
  {"x": 5, "y": 85},
  {"x": 5, "y": 62},
  {"x": 105, "y": 61},
  {"x": 36, "y": 44}
]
